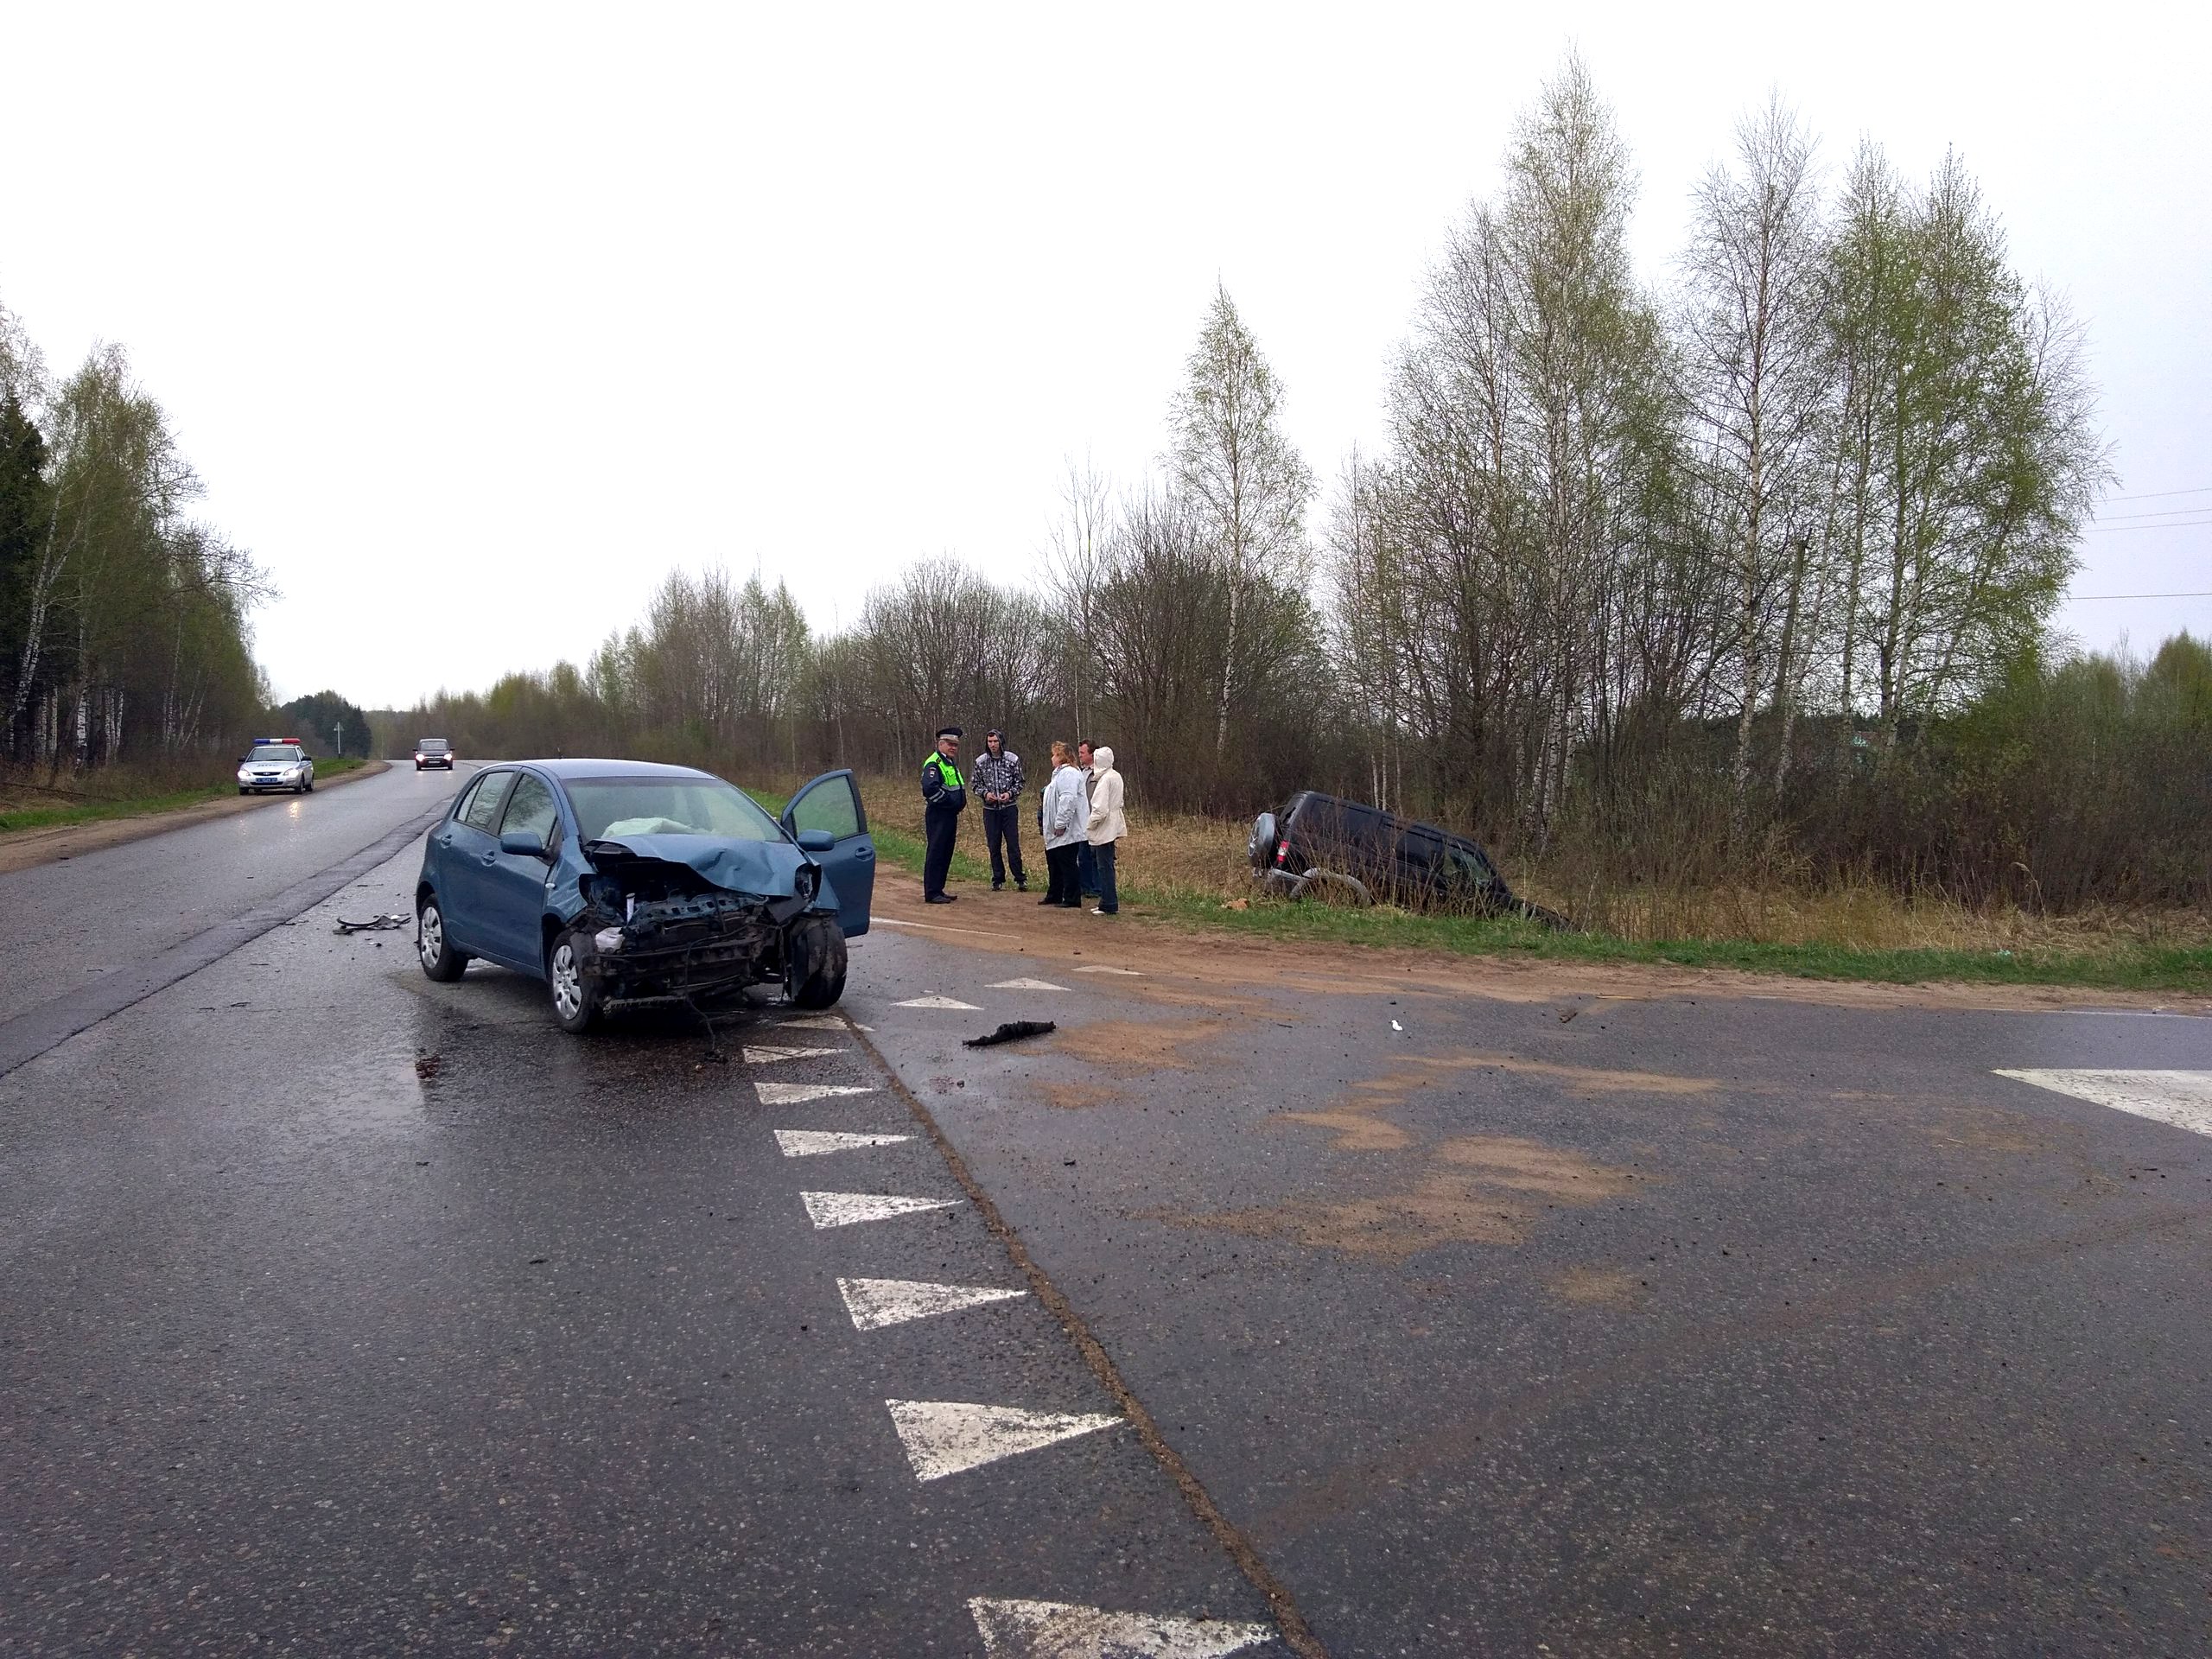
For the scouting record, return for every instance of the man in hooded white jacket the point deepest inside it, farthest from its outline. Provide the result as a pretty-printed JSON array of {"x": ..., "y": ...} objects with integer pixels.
[{"x": 1106, "y": 827}]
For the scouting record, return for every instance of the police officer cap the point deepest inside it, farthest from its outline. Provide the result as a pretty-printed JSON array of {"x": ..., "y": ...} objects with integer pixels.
[{"x": 949, "y": 731}]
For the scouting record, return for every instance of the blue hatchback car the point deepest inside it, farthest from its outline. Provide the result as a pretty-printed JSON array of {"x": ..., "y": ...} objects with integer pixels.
[{"x": 619, "y": 881}]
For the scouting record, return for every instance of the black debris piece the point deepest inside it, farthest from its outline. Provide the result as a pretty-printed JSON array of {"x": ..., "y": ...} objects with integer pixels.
[
  {"x": 1011, "y": 1032},
  {"x": 375, "y": 924}
]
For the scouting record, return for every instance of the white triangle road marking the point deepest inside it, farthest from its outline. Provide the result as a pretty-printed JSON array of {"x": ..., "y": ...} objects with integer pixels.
[
  {"x": 797, "y": 1094},
  {"x": 845, "y": 1208},
  {"x": 1027, "y": 985},
  {"x": 945, "y": 1437},
  {"x": 1061, "y": 1630},
  {"x": 2183, "y": 1099},
  {"x": 808, "y": 1143},
  {"x": 770, "y": 1056},
  {"x": 937, "y": 1002},
  {"x": 1129, "y": 973},
  {"x": 874, "y": 1303},
  {"x": 813, "y": 1022}
]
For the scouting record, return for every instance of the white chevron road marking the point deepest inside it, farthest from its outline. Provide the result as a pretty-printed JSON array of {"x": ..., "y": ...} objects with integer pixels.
[
  {"x": 937, "y": 1002},
  {"x": 771, "y": 1056},
  {"x": 1126, "y": 973},
  {"x": 1061, "y": 1630},
  {"x": 2183, "y": 1099},
  {"x": 846, "y": 1209},
  {"x": 946, "y": 1437},
  {"x": 875, "y": 1303},
  {"x": 797, "y": 1094},
  {"x": 1027, "y": 985},
  {"x": 811, "y": 1143}
]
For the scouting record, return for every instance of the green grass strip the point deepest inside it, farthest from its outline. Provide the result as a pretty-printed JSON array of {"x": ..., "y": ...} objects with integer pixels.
[{"x": 136, "y": 806}]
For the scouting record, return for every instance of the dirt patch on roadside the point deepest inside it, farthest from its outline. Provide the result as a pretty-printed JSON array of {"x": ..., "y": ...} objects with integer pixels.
[
  {"x": 1138, "y": 1045},
  {"x": 21, "y": 849},
  {"x": 1195, "y": 965},
  {"x": 1596, "y": 1288},
  {"x": 1355, "y": 1130},
  {"x": 1080, "y": 1097},
  {"x": 1476, "y": 1189}
]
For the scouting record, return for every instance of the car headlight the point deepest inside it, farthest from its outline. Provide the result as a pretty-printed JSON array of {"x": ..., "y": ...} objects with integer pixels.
[{"x": 245, "y": 777}]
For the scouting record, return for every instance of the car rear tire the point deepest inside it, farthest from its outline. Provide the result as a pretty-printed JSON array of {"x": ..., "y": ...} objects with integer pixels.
[
  {"x": 816, "y": 977},
  {"x": 440, "y": 960},
  {"x": 575, "y": 999}
]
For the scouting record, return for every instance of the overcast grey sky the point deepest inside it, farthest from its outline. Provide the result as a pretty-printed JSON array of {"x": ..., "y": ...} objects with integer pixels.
[{"x": 476, "y": 321}]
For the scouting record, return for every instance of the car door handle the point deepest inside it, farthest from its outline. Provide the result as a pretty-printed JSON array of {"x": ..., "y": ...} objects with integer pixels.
[{"x": 489, "y": 859}]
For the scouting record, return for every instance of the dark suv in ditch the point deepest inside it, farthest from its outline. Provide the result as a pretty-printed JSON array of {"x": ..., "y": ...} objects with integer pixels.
[{"x": 1325, "y": 846}]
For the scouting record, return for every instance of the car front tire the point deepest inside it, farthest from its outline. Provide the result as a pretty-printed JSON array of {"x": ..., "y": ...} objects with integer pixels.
[
  {"x": 575, "y": 999},
  {"x": 816, "y": 978},
  {"x": 433, "y": 950}
]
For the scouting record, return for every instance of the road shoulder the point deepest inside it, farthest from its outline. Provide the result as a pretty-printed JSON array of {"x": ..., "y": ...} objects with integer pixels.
[{"x": 23, "y": 850}]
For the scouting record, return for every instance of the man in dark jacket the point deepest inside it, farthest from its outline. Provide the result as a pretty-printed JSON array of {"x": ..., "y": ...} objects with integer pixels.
[
  {"x": 943, "y": 797},
  {"x": 997, "y": 779}
]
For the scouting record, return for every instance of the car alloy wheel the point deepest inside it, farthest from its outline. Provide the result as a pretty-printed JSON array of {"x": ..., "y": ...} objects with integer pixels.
[
  {"x": 567, "y": 982},
  {"x": 430, "y": 936}
]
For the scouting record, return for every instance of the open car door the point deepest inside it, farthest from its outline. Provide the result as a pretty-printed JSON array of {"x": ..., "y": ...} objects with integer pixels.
[{"x": 831, "y": 805}]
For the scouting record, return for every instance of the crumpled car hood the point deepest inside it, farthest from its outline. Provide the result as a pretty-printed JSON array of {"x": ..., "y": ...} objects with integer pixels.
[{"x": 769, "y": 868}]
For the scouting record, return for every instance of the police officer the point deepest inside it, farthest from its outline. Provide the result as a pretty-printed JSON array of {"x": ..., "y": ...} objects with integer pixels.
[{"x": 943, "y": 797}]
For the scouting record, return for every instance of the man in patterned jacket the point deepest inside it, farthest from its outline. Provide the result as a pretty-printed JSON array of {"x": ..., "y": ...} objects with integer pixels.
[{"x": 996, "y": 782}]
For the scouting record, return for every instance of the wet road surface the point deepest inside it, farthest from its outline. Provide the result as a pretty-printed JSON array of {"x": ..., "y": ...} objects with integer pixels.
[{"x": 348, "y": 1311}]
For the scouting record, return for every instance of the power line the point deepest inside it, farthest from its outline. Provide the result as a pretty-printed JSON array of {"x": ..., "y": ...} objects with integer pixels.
[
  {"x": 2121, "y": 530},
  {"x": 2161, "y": 495},
  {"x": 2206, "y": 594},
  {"x": 2162, "y": 512}
]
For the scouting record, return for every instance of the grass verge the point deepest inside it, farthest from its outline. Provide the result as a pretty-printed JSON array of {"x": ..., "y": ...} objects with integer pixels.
[
  {"x": 1203, "y": 888},
  {"x": 96, "y": 809}
]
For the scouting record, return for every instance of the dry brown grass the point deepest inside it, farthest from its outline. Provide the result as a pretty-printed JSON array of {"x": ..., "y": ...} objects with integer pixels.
[{"x": 1183, "y": 855}]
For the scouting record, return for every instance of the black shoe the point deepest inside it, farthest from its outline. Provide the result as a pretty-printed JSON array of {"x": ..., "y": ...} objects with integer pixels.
[
  {"x": 1048, "y": 901},
  {"x": 1020, "y": 885},
  {"x": 937, "y": 898},
  {"x": 998, "y": 886}
]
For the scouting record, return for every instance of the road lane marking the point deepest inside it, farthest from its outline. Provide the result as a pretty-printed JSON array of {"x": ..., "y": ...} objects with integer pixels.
[
  {"x": 945, "y": 1437},
  {"x": 875, "y": 1303},
  {"x": 813, "y": 1022},
  {"x": 847, "y": 1209},
  {"x": 773, "y": 1056},
  {"x": 931, "y": 927},
  {"x": 809, "y": 1143},
  {"x": 939, "y": 1002},
  {"x": 2183, "y": 1099},
  {"x": 797, "y": 1094},
  {"x": 1129, "y": 973},
  {"x": 1062, "y": 1629},
  {"x": 1027, "y": 985}
]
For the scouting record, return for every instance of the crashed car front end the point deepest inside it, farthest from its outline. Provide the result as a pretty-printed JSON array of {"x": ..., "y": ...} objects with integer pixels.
[{"x": 689, "y": 918}]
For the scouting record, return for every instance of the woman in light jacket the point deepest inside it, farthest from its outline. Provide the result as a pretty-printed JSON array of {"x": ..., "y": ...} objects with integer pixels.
[
  {"x": 1060, "y": 816},
  {"x": 1106, "y": 826}
]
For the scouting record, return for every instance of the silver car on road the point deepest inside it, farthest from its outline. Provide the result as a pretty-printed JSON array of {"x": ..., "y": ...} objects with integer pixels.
[{"x": 275, "y": 766}]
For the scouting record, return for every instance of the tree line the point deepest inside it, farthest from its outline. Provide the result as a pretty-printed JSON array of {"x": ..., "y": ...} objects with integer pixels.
[
  {"x": 123, "y": 618},
  {"x": 1750, "y": 565}
]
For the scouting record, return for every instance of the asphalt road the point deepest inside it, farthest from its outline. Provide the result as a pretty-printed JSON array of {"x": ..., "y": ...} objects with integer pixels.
[{"x": 347, "y": 1312}]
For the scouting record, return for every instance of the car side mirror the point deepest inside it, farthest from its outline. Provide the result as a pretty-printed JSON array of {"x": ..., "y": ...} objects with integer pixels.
[
  {"x": 817, "y": 840},
  {"x": 527, "y": 846}
]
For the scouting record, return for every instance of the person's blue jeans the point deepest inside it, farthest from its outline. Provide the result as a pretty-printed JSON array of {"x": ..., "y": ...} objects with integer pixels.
[
  {"x": 1086, "y": 868},
  {"x": 1109, "y": 901}
]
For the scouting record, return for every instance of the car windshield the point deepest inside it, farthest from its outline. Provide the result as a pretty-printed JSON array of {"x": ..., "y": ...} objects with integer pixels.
[
  {"x": 668, "y": 806},
  {"x": 274, "y": 751},
  {"x": 431, "y": 743}
]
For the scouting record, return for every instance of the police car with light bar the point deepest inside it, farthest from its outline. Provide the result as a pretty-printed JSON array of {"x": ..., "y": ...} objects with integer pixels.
[{"x": 276, "y": 763}]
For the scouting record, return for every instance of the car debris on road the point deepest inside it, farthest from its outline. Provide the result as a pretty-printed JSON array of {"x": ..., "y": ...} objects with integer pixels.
[
  {"x": 375, "y": 924},
  {"x": 1011, "y": 1032}
]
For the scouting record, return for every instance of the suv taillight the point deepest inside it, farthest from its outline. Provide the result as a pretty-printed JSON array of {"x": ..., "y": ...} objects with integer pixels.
[{"x": 1282, "y": 849}]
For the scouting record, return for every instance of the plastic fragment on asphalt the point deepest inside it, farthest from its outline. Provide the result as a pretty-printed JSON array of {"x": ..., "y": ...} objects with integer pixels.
[
  {"x": 875, "y": 1303},
  {"x": 812, "y": 1143},
  {"x": 1062, "y": 1629},
  {"x": 797, "y": 1094},
  {"x": 1012, "y": 1031},
  {"x": 2183, "y": 1099},
  {"x": 390, "y": 921},
  {"x": 848, "y": 1209},
  {"x": 948, "y": 1437}
]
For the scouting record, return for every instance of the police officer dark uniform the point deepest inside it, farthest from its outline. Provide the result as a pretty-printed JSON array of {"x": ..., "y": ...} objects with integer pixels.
[{"x": 943, "y": 797}]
